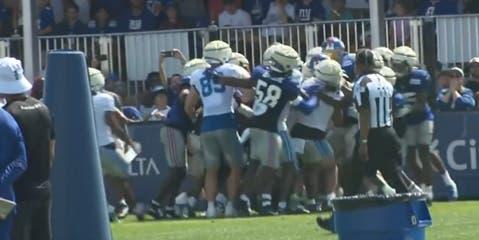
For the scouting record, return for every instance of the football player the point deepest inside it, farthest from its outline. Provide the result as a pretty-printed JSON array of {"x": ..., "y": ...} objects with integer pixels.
[
  {"x": 318, "y": 158},
  {"x": 336, "y": 49},
  {"x": 414, "y": 84},
  {"x": 275, "y": 89},
  {"x": 218, "y": 136}
]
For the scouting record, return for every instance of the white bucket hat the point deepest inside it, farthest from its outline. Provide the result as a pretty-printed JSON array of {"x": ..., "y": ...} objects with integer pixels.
[{"x": 12, "y": 80}]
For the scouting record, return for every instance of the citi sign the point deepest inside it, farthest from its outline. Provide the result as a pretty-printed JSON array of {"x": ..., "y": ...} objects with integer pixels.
[{"x": 461, "y": 154}]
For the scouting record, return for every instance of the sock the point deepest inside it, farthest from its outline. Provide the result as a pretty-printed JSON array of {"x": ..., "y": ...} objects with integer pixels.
[
  {"x": 266, "y": 199},
  {"x": 192, "y": 202},
  {"x": 221, "y": 198},
  {"x": 181, "y": 199},
  {"x": 245, "y": 198},
  {"x": 229, "y": 204},
  {"x": 211, "y": 205},
  {"x": 446, "y": 178},
  {"x": 311, "y": 201},
  {"x": 282, "y": 205},
  {"x": 330, "y": 196}
]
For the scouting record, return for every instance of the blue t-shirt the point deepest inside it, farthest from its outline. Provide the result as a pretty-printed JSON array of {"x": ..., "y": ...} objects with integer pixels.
[
  {"x": 46, "y": 18},
  {"x": 465, "y": 102},
  {"x": 347, "y": 64},
  {"x": 309, "y": 12},
  {"x": 443, "y": 7},
  {"x": 13, "y": 156},
  {"x": 145, "y": 22}
]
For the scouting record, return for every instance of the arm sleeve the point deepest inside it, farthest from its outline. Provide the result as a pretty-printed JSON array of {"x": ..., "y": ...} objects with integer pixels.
[
  {"x": 361, "y": 95},
  {"x": 18, "y": 163},
  {"x": 306, "y": 106},
  {"x": 465, "y": 102}
]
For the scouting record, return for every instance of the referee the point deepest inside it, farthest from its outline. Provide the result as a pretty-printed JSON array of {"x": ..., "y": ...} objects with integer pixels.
[{"x": 380, "y": 147}]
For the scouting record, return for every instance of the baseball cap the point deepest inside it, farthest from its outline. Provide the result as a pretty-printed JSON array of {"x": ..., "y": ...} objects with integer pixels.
[
  {"x": 457, "y": 70},
  {"x": 12, "y": 80},
  {"x": 158, "y": 89}
]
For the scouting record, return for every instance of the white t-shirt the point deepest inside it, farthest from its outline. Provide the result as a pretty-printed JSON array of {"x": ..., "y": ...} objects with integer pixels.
[
  {"x": 103, "y": 103},
  {"x": 273, "y": 17},
  {"x": 239, "y": 18},
  {"x": 217, "y": 99},
  {"x": 163, "y": 114}
]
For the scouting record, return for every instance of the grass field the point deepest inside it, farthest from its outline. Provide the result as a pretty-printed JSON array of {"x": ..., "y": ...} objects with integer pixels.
[{"x": 451, "y": 221}]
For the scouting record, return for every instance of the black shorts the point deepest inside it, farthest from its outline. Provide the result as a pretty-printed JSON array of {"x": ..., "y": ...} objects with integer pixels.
[{"x": 384, "y": 148}]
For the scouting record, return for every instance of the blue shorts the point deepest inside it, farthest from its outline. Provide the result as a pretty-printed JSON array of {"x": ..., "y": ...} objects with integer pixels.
[{"x": 316, "y": 151}]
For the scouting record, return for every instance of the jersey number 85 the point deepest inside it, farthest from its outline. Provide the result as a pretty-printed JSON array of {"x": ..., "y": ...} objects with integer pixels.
[
  {"x": 267, "y": 96},
  {"x": 208, "y": 87}
]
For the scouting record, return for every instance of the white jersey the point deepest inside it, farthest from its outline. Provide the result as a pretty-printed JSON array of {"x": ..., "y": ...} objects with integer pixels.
[
  {"x": 103, "y": 103},
  {"x": 321, "y": 115},
  {"x": 217, "y": 98},
  {"x": 282, "y": 124}
]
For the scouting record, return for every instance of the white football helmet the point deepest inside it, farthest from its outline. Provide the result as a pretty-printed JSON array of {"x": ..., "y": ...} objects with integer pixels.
[
  {"x": 239, "y": 60},
  {"x": 269, "y": 52},
  {"x": 284, "y": 59},
  {"x": 403, "y": 60},
  {"x": 386, "y": 53},
  {"x": 217, "y": 52},
  {"x": 313, "y": 52},
  {"x": 194, "y": 65},
  {"x": 330, "y": 72},
  {"x": 388, "y": 74},
  {"x": 97, "y": 80}
]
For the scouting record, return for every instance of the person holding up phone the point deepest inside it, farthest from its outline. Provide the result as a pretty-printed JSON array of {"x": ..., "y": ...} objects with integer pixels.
[{"x": 172, "y": 84}]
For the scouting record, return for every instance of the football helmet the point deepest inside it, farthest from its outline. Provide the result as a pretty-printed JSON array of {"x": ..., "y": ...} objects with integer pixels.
[
  {"x": 403, "y": 60},
  {"x": 284, "y": 59},
  {"x": 330, "y": 72},
  {"x": 194, "y": 65},
  {"x": 386, "y": 54},
  {"x": 217, "y": 52}
]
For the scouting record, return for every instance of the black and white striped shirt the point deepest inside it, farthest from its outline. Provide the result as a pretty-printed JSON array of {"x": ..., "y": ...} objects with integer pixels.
[{"x": 372, "y": 91}]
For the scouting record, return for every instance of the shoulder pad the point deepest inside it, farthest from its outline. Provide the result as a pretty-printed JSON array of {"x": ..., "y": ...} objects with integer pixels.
[{"x": 231, "y": 70}]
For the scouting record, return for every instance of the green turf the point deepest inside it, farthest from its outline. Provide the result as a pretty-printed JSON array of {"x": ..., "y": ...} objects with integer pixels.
[{"x": 454, "y": 221}]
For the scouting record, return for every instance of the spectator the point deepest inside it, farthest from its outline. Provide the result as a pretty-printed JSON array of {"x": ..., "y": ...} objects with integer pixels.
[
  {"x": 46, "y": 19},
  {"x": 193, "y": 12},
  {"x": 174, "y": 82},
  {"x": 115, "y": 7},
  {"x": 309, "y": 10},
  {"x": 138, "y": 18},
  {"x": 339, "y": 11},
  {"x": 233, "y": 16},
  {"x": 400, "y": 29},
  {"x": 160, "y": 108},
  {"x": 58, "y": 9},
  {"x": 83, "y": 9},
  {"x": 471, "y": 6},
  {"x": 438, "y": 7},
  {"x": 71, "y": 24},
  {"x": 215, "y": 7},
  {"x": 456, "y": 97},
  {"x": 5, "y": 21},
  {"x": 32, "y": 189},
  {"x": 280, "y": 12},
  {"x": 37, "y": 88},
  {"x": 258, "y": 9},
  {"x": 146, "y": 106},
  {"x": 172, "y": 20},
  {"x": 102, "y": 22},
  {"x": 473, "y": 81}
]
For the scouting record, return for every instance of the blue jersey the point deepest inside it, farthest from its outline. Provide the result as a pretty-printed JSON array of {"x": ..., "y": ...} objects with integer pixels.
[
  {"x": 417, "y": 82},
  {"x": 273, "y": 94},
  {"x": 95, "y": 28}
]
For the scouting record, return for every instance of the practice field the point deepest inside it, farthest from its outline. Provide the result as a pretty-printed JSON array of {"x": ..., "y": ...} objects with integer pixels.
[{"x": 451, "y": 221}]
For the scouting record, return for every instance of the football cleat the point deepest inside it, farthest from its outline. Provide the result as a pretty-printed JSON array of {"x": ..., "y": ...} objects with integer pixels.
[
  {"x": 122, "y": 210},
  {"x": 139, "y": 211},
  {"x": 452, "y": 193},
  {"x": 156, "y": 211},
  {"x": 211, "y": 212}
]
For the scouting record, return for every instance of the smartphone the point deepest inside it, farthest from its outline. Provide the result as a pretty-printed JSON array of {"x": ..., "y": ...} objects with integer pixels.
[{"x": 168, "y": 53}]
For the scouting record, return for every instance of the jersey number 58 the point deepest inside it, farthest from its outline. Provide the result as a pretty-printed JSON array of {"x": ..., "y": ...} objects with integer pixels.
[{"x": 266, "y": 96}]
